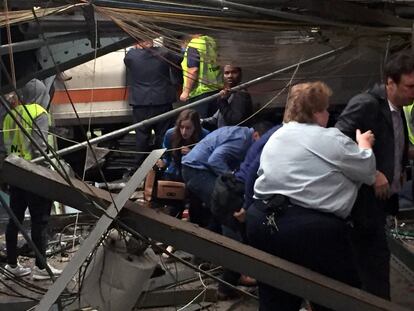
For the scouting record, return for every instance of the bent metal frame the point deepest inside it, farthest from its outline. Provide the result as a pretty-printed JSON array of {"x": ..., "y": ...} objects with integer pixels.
[{"x": 191, "y": 238}]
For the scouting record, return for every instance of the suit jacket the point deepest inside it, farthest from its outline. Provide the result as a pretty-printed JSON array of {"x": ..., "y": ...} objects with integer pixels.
[
  {"x": 370, "y": 111},
  {"x": 149, "y": 77}
]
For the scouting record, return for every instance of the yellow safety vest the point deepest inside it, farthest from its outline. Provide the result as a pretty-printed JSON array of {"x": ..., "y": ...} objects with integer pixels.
[
  {"x": 14, "y": 139},
  {"x": 408, "y": 110},
  {"x": 209, "y": 75}
]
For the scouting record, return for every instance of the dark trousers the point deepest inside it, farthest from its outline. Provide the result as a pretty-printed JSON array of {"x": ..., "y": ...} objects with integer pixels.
[
  {"x": 369, "y": 241},
  {"x": 372, "y": 257},
  {"x": 208, "y": 108},
  {"x": 143, "y": 134},
  {"x": 39, "y": 209},
  {"x": 200, "y": 183},
  {"x": 319, "y": 241},
  {"x": 230, "y": 276}
]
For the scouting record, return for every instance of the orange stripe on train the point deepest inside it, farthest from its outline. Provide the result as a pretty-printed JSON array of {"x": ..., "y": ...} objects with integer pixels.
[{"x": 86, "y": 96}]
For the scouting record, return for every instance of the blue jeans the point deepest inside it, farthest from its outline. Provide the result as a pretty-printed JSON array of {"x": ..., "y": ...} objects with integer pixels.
[
  {"x": 201, "y": 184},
  {"x": 316, "y": 240}
]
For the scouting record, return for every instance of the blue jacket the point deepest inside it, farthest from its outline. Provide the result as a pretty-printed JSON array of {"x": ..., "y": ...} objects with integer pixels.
[
  {"x": 171, "y": 166},
  {"x": 221, "y": 151},
  {"x": 248, "y": 169}
]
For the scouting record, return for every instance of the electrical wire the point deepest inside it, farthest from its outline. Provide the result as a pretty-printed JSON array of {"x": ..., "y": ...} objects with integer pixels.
[
  {"x": 93, "y": 87},
  {"x": 153, "y": 244},
  {"x": 17, "y": 17},
  {"x": 25, "y": 131},
  {"x": 6, "y": 10},
  {"x": 77, "y": 116}
]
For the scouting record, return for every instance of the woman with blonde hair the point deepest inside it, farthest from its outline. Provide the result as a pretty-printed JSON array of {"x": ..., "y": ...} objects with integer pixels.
[{"x": 307, "y": 183}]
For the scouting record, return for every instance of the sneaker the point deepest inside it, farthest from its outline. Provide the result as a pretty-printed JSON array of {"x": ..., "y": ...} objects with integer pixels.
[
  {"x": 42, "y": 274},
  {"x": 169, "y": 249},
  {"x": 19, "y": 270}
]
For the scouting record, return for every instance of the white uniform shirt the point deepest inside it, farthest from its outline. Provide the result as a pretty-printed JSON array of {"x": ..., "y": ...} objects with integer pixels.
[{"x": 316, "y": 167}]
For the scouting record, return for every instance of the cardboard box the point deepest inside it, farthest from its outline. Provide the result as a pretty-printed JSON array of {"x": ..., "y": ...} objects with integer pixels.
[{"x": 171, "y": 190}]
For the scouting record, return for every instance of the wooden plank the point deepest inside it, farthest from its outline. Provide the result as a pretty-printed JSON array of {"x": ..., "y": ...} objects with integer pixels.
[{"x": 200, "y": 242}]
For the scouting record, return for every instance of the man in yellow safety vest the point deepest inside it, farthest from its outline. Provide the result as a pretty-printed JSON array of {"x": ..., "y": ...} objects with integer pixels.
[
  {"x": 201, "y": 72},
  {"x": 35, "y": 120}
]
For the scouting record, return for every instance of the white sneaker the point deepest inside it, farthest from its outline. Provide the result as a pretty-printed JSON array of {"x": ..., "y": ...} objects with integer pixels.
[
  {"x": 42, "y": 274},
  {"x": 19, "y": 270},
  {"x": 170, "y": 249}
]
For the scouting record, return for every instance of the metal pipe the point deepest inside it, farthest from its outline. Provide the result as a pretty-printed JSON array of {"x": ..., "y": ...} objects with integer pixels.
[
  {"x": 317, "y": 21},
  {"x": 57, "y": 25},
  {"x": 37, "y": 43},
  {"x": 174, "y": 112},
  {"x": 47, "y": 72},
  {"x": 101, "y": 226}
]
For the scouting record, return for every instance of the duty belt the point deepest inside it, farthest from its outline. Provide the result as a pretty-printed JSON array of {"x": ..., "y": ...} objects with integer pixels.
[{"x": 275, "y": 207}]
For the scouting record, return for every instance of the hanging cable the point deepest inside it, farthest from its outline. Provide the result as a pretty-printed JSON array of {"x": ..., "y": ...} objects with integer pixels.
[
  {"x": 73, "y": 106},
  {"x": 6, "y": 9},
  {"x": 174, "y": 112}
]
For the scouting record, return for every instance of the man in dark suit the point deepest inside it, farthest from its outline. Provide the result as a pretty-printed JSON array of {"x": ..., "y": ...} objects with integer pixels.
[
  {"x": 380, "y": 110},
  {"x": 151, "y": 89}
]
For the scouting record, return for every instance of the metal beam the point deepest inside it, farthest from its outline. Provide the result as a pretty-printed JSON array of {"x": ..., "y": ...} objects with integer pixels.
[
  {"x": 175, "y": 112},
  {"x": 302, "y": 18},
  {"x": 33, "y": 44},
  {"x": 402, "y": 253},
  {"x": 201, "y": 242},
  {"x": 175, "y": 297},
  {"x": 349, "y": 12},
  {"x": 47, "y": 72},
  {"x": 56, "y": 222},
  {"x": 100, "y": 228}
]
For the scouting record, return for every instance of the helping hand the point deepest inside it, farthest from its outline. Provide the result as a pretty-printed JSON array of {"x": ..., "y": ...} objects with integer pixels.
[
  {"x": 381, "y": 186},
  {"x": 240, "y": 215},
  {"x": 365, "y": 140}
]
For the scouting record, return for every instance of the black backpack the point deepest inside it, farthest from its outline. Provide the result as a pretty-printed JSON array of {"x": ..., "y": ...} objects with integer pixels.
[{"x": 227, "y": 198}]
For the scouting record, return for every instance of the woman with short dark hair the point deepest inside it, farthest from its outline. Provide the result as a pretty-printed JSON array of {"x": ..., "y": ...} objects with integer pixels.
[{"x": 308, "y": 180}]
